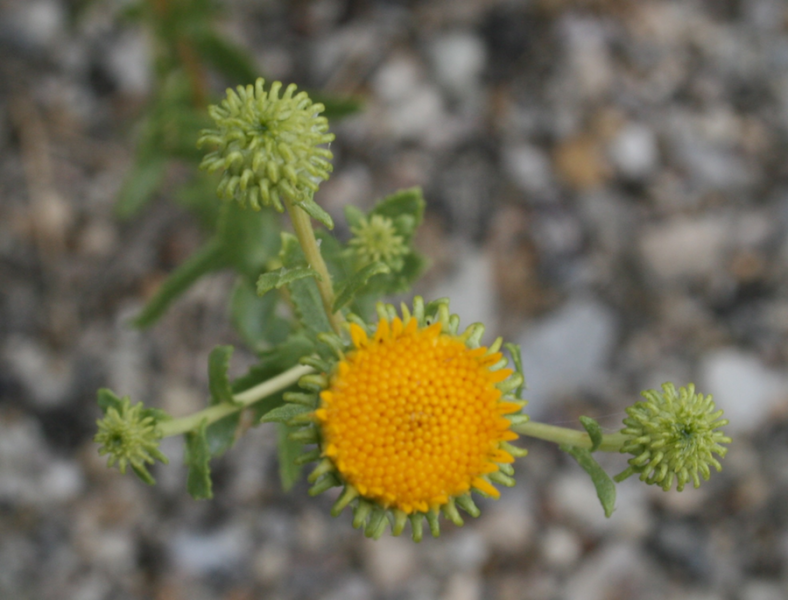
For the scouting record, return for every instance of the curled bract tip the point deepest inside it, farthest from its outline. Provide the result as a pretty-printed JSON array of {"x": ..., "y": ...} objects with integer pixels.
[
  {"x": 269, "y": 147},
  {"x": 673, "y": 435},
  {"x": 130, "y": 438}
]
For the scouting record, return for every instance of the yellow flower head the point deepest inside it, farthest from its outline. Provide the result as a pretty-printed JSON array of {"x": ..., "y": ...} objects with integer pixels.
[{"x": 413, "y": 417}]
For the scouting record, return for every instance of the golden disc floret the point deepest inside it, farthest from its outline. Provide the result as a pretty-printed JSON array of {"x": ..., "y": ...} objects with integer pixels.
[{"x": 411, "y": 418}]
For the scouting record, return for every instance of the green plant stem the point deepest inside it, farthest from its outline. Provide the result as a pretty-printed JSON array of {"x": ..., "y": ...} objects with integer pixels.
[
  {"x": 240, "y": 401},
  {"x": 302, "y": 225},
  {"x": 611, "y": 442}
]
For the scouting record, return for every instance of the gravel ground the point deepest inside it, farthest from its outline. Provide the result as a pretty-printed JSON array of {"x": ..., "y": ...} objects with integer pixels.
[{"x": 607, "y": 186}]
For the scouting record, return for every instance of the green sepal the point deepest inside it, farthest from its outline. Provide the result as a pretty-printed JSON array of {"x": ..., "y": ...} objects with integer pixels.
[
  {"x": 594, "y": 432},
  {"x": 289, "y": 450},
  {"x": 605, "y": 488},
  {"x": 197, "y": 459},
  {"x": 517, "y": 359},
  {"x": 283, "y": 276},
  {"x": 357, "y": 282},
  {"x": 211, "y": 257},
  {"x": 283, "y": 414},
  {"x": 313, "y": 209},
  {"x": 141, "y": 183}
]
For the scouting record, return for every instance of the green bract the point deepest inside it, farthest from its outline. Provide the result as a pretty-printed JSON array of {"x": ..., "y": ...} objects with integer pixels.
[
  {"x": 673, "y": 435},
  {"x": 268, "y": 146}
]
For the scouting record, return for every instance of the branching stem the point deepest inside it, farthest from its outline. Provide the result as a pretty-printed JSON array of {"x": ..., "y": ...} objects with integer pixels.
[
  {"x": 242, "y": 400},
  {"x": 302, "y": 225}
]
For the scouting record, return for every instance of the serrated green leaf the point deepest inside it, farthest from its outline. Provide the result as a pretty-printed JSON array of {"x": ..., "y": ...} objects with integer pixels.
[
  {"x": 605, "y": 488},
  {"x": 284, "y": 413},
  {"x": 141, "y": 183},
  {"x": 230, "y": 60},
  {"x": 282, "y": 276},
  {"x": 303, "y": 293},
  {"x": 218, "y": 379},
  {"x": 289, "y": 472},
  {"x": 357, "y": 282},
  {"x": 517, "y": 359},
  {"x": 594, "y": 432},
  {"x": 207, "y": 259},
  {"x": 197, "y": 458},
  {"x": 250, "y": 238},
  {"x": 314, "y": 210},
  {"x": 254, "y": 317}
]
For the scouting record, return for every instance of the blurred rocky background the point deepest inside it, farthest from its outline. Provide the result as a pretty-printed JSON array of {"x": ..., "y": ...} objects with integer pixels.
[{"x": 608, "y": 186}]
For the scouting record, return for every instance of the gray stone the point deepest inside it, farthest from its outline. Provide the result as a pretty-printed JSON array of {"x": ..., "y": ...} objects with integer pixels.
[
  {"x": 530, "y": 169},
  {"x": 458, "y": 59},
  {"x": 616, "y": 569},
  {"x": 684, "y": 248},
  {"x": 390, "y": 561},
  {"x": 198, "y": 553},
  {"x": 463, "y": 586},
  {"x": 634, "y": 151},
  {"x": 46, "y": 376},
  {"x": 567, "y": 351},
  {"x": 746, "y": 389},
  {"x": 560, "y": 547}
]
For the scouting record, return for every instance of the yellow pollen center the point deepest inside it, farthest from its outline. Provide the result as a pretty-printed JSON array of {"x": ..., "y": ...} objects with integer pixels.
[{"x": 413, "y": 417}]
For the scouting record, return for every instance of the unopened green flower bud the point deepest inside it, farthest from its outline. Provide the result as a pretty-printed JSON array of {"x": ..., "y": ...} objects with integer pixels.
[
  {"x": 673, "y": 435},
  {"x": 130, "y": 437},
  {"x": 268, "y": 147},
  {"x": 376, "y": 239}
]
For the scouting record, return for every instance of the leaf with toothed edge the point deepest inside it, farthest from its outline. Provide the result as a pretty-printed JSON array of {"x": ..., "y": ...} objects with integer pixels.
[
  {"x": 197, "y": 458},
  {"x": 284, "y": 413},
  {"x": 303, "y": 292},
  {"x": 283, "y": 276},
  {"x": 357, "y": 282}
]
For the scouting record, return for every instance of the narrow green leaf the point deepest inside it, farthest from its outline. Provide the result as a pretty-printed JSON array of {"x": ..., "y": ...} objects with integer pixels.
[
  {"x": 284, "y": 413},
  {"x": 283, "y": 276},
  {"x": 594, "y": 432},
  {"x": 197, "y": 458},
  {"x": 218, "y": 380},
  {"x": 210, "y": 257},
  {"x": 289, "y": 450},
  {"x": 230, "y": 60},
  {"x": 517, "y": 359},
  {"x": 605, "y": 488},
  {"x": 140, "y": 185},
  {"x": 336, "y": 107},
  {"x": 254, "y": 317},
  {"x": 356, "y": 282},
  {"x": 315, "y": 211}
]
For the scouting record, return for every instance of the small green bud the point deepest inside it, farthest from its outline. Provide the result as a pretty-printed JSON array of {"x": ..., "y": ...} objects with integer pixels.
[
  {"x": 375, "y": 239},
  {"x": 130, "y": 438},
  {"x": 268, "y": 146},
  {"x": 672, "y": 436}
]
